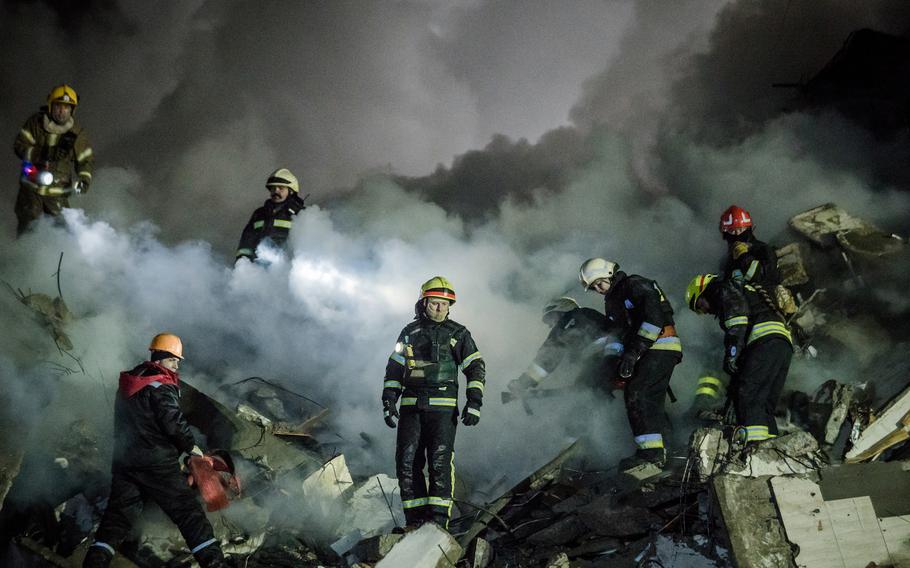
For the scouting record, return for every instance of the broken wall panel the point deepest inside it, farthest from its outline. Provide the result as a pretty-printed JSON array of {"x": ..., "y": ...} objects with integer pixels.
[{"x": 891, "y": 427}]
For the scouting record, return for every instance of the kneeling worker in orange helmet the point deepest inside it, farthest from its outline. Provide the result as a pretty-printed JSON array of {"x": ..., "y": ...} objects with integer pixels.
[{"x": 150, "y": 434}]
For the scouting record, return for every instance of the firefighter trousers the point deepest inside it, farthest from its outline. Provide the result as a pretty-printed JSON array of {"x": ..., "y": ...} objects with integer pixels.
[
  {"x": 30, "y": 206},
  {"x": 645, "y": 396},
  {"x": 758, "y": 385},
  {"x": 426, "y": 438},
  {"x": 167, "y": 487}
]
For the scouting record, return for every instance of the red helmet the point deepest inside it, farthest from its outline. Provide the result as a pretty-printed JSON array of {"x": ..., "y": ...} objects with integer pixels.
[{"x": 734, "y": 218}]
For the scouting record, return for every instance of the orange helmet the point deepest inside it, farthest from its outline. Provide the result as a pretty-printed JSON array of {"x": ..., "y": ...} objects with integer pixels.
[
  {"x": 734, "y": 218},
  {"x": 167, "y": 342}
]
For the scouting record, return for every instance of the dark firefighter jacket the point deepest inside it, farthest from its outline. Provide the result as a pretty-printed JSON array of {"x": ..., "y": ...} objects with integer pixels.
[
  {"x": 63, "y": 150},
  {"x": 638, "y": 306},
  {"x": 423, "y": 369},
  {"x": 149, "y": 428},
  {"x": 581, "y": 333},
  {"x": 271, "y": 221},
  {"x": 746, "y": 314},
  {"x": 753, "y": 261}
]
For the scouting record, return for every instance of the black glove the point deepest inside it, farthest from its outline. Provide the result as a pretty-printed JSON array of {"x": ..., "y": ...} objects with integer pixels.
[
  {"x": 84, "y": 183},
  {"x": 470, "y": 416},
  {"x": 627, "y": 363},
  {"x": 521, "y": 384},
  {"x": 731, "y": 363},
  {"x": 390, "y": 412}
]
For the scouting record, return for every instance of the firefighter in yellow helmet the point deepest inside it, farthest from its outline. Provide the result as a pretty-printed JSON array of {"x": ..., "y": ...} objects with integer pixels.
[
  {"x": 273, "y": 221},
  {"x": 423, "y": 372},
  {"x": 57, "y": 158},
  {"x": 150, "y": 434},
  {"x": 757, "y": 348},
  {"x": 651, "y": 350}
]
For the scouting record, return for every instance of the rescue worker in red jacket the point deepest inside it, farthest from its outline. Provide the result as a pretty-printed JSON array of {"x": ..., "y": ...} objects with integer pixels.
[
  {"x": 757, "y": 348},
  {"x": 150, "y": 434},
  {"x": 273, "y": 221},
  {"x": 651, "y": 349},
  {"x": 51, "y": 144},
  {"x": 577, "y": 335},
  {"x": 423, "y": 372},
  {"x": 748, "y": 259}
]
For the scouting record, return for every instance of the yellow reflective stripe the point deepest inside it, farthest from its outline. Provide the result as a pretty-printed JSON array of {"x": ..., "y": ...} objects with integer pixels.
[
  {"x": 710, "y": 380},
  {"x": 439, "y": 502},
  {"x": 710, "y": 391},
  {"x": 85, "y": 174},
  {"x": 648, "y": 441},
  {"x": 408, "y": 400},
  {"x": 757, "y": 433},
  {"x": 390, "y": 384},
  {"x": 27, "y": 135},
  {"x": 244, "y": 252},
  {"x": 769, "y": 328},
  {"x": 753, "y": 268},
  {"x": 476, "y": 385},
  {"x": 667, "y": 344},
  {"x": 50, "y": 191},
  {"x": 443, "y": 402},
  {"x": 649, "y": 331},
  {"x": 283, "y": 223},
  {"x": 258, "y": 224},
  {"x": 411, "y": 503},
  {"x": 84, "y": 154},
  {"x": 736, "y": 320},
  {"x": 470, "y": 359},
  {"x": 453, "y": 341},
  {"x": 398, "y": 358}
]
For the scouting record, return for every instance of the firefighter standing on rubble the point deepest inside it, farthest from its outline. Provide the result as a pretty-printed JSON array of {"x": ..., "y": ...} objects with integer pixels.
[
  {"x": 748, "y": 259},
  {"x": 757, "y": 348},
  {"x": 651, "y": 349},
  {"x": 423, "y": 372},
  {"x": 578, "y": 331},
  {"x": 272, "y": 221},
  {"x": 51, "y": 144},
  {"x": 150, "y": 433}
]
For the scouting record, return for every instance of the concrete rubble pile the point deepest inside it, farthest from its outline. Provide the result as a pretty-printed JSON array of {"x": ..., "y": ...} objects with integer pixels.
[{"x": 833, "y": 490}]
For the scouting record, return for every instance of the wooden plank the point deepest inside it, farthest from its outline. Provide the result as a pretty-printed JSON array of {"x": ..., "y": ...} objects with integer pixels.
[
  {"x": 888, "y": 429},
  {"x": 843, "y": 533}
]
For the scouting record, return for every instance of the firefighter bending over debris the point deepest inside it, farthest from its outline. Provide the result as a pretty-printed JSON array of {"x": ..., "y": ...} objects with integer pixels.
[
  {"x": 272, "y": 221},
  {"x": 423, "y": 371},
  {"x": 56, "y": 159},
  {"x": 150, "y": 433},
  {"x": 748, "y": 259},
  {"x": 757, "y": 348},
  {"x": 577, "y": 334},
  {"x": 651, "y": 349}
]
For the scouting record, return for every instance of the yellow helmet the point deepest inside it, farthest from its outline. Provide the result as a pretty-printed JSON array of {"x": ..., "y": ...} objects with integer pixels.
[
  {"x": 438, "y": 287},
  {"x": 284, "y": 177},
  {"x": 696, "y": 288},
  {"x": 63, "y": 94},
  {"x": 560, "y": 305},
  {"x": 167, "y": 342}
]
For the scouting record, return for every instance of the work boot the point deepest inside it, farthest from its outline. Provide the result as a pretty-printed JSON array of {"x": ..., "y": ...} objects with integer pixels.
[
  {"x": 210, "y": 556},
  {"x": 97, "y": 557}
]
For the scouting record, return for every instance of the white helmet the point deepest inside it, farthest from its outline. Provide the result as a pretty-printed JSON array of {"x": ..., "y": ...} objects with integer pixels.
[
  {"x": 561, "y": 305},
  {"x": 283, "y": 177},
  {"x": 595, "y": 269}
]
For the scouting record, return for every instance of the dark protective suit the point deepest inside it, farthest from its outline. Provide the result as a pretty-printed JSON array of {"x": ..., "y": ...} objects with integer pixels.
[
  {"x": 579, "y": 335},
  {"x": 272, "y": 221},
  {"x": 423, "y": 371},
  {"x": 750, "y": 260},
  {"x": 150, "y": 433},
  {"x": 63, "y": 150},
  {"x": 638, "y": 306},
  {"x": 758, "y": 341}
]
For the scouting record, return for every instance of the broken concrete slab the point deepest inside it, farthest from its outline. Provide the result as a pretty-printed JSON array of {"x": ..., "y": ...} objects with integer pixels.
[
  {"x": 375, "y": 548},
  {"x": 887, "y": 484},
  {"x": 830, "y": 534},
  {"x": 791, "y": 265},
  {"x": 430, "y": 546},
  {"x": 323, "y": 488},
  {"x": 829, "y": 408},
  {"x": 481, "y": 555},
  {"x": 561, "y": 560},
  {"x": 794, "y": 453},
  {"x": 821, "y": 224},
  {"x": 374, "y": 507},
  {"x": 891, "y": 427},
  {"x": 754, "y": 532}
]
